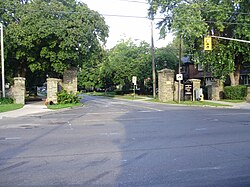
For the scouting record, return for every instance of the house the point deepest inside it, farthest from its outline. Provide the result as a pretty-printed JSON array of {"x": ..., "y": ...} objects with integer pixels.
[{"x": 195, "y": 71}]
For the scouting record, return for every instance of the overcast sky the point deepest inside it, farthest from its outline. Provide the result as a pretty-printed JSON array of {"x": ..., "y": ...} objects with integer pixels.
[{"x": 124, "y": 28}]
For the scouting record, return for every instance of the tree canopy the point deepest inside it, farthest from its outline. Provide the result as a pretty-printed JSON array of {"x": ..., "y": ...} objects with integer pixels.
[
  {"x": 50, "y": 36},
  {"x": 124, "y": 61},
  {"x": 192, "y": 20}
]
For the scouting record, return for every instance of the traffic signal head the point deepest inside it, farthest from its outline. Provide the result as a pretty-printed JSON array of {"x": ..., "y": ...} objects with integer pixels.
[{"x": 207, "y": 43}]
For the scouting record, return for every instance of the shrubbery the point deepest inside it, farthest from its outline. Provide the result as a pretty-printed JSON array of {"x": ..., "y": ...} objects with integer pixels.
[
  {"x": 6, "y": 101},
  {"x": 235, "y": 92},
  {"x": 64, "y": 97}
]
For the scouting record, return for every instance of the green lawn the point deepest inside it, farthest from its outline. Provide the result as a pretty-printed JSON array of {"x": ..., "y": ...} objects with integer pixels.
[
  {"x": 112, "y": 94},
  {"x": 192, "y": 103},
  {"x": 60, "y": 106},
  {"x": 106, "y": 94},
  {"x": 233, "y": 101},
  {"x": 9, "y": 107}
]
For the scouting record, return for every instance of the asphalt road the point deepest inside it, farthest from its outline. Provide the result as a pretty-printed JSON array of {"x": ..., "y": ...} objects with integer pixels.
[{"x": 111, "y": 142}]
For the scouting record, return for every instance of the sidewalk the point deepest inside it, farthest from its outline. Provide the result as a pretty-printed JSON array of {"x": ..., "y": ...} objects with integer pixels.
[
  {"x": 28, "y": 109},
  {"x": 242, "y": 105}
]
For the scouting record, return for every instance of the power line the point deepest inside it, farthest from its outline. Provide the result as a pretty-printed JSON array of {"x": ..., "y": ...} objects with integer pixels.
[
  {"x": 133, "y": 1},
  {"x": 233, "y": 39},
  {"x": 137, "y": 17}
]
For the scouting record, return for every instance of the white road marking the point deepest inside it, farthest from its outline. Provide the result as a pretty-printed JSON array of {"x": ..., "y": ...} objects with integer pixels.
[{"x": 199, "y": 169}]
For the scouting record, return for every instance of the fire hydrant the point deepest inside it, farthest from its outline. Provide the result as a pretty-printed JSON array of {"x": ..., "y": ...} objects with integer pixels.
[{"x": 201, "y": 97}]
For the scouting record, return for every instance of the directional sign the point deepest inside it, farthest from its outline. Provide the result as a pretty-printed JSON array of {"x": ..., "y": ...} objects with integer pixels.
[
  {"x": 179, "y": 77},
  {"x": 134, "y": 80}
]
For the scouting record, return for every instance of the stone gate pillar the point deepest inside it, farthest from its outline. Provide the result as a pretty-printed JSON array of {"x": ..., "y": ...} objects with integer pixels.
[
  {"x": 166, "y": 85},
  {"x": 70, "y": 80},
  {"x": 248, "y": 95},
  {"x": 19, "y": 90},
  {"x": 217, "y": 90},
  {"x": 196, "y": 86},
  {"x": 53, "y": 86}
]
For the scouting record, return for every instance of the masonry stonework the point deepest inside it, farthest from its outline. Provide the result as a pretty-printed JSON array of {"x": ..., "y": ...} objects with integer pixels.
[
  {"x": 216, "y": 90},
  {"x": 166, "y": 86},
  {"x": 53, "y": 86},
  {"x": 248, "y": 95},
  {"x": 70, "y": 81},
  {"x": 19, "y": 90},
  {"x": 196, "y": 86},
  {"x": 176, "y": 91}
]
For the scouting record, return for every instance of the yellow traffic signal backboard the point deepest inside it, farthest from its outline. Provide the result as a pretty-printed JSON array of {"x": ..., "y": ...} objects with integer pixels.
[{"x": 208, "y": 43}]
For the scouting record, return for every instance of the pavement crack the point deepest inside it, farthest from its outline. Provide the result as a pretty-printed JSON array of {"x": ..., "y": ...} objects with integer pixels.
[{"x": 14, "y": 166}]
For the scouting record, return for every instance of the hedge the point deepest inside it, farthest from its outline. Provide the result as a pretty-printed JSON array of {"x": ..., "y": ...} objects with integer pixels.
[{"x": 235, "y": 92}]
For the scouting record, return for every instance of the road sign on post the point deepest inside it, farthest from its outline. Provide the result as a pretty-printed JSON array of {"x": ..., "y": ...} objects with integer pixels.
[
  {"x": 208, "y": 43},
  {"x": 179, "y": 77},
  {"x": 134, "y": 80}
]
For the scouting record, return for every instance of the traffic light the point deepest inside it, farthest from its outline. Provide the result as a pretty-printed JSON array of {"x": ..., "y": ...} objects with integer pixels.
[{"x": 208, "y": 43}]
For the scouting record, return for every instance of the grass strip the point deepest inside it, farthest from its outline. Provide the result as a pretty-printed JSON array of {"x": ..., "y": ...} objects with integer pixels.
[
  {"x": 9, "y": 107},
  {"x": 192, "y": 103},
  {"x": 61, "y": 106}
]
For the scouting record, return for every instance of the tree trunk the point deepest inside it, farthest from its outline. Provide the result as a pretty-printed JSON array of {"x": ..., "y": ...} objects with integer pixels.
[
  {"x": 235, "y": 76},
  {"x": 232, "y": 79}
]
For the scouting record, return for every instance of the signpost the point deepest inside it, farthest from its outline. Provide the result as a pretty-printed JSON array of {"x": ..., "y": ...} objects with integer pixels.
[
  {"x": 134, "y": 80},
  {"x": 2, "y": 61},
  {"x": 179, "y": 77}
]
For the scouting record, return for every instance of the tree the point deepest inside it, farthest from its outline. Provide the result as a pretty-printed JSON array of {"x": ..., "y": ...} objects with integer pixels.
[
  {"x": 50, "y": 36},
  {"x": 192, "y": 20},
  {"x": 166, "y": 57},
  {"x": 127, "y": 59},
  {"x": 90, "y": 75}
]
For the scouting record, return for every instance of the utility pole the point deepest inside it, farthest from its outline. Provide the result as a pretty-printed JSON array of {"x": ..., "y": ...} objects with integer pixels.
[
  {"x": 179, "y": 72},
  {"x": 2, "y": 61},
  {"x": 153, "y": 60}
]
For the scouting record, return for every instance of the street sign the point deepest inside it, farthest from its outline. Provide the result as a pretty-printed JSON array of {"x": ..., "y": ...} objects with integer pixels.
[
  {"x": 134, "y": 80},
  {"x": 179, "y": 77}
]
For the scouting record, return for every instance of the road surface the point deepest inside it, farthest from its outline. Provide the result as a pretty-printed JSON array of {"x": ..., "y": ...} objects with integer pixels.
[{"x": 110, "y": 142}]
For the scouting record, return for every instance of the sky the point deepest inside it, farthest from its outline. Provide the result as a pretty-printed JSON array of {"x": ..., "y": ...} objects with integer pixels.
[{"x": 138, "y": 29}]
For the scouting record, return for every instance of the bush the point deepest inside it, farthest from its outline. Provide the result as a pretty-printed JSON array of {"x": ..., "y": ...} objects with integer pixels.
[
  {"x": 235, "y": 92},
  {"x": 6, "y": 101},
  {"x": 64, "y": 97}
]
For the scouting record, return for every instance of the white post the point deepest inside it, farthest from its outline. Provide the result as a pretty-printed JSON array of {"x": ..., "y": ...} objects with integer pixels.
[{"x": 2, "y": 61}]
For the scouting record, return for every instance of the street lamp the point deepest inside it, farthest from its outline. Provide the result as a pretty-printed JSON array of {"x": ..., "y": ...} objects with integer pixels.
[{"x": 2, "y": 60}]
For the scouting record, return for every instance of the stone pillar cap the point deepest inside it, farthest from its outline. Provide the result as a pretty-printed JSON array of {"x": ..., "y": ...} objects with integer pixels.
[{"x": 166, "y": 70}]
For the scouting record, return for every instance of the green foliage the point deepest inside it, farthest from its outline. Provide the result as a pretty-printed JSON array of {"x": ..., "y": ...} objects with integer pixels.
[
  {"x": 64, "y": 97},
  {"x": 192, "y": 20},
  {"x": 115, "y": 68},
  {"x": 235, "y": 92},
  {"x": 6, "y": 101},
  {"x": 60, "y": 106},
  {"x": 91, "y": 75},
  {"x": 126, "y": 60},
  {"x": 166, "y": 57},
  {"x": 50, "y": 36}
]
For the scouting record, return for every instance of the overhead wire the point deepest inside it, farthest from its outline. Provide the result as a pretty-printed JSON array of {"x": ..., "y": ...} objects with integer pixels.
[
  {"x": 137, "y": 17},
  {"x": 134, "y": 1}
]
